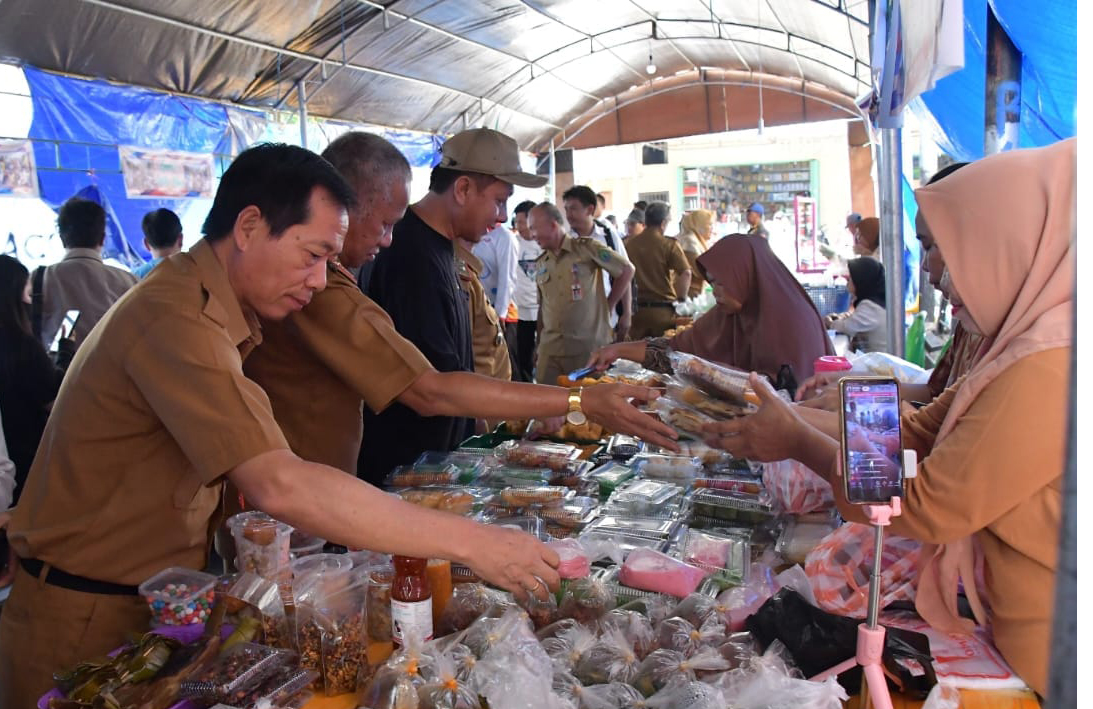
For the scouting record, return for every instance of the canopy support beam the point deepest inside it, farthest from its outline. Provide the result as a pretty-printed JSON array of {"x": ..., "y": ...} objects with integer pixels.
[{"x": 890, "y": 174}]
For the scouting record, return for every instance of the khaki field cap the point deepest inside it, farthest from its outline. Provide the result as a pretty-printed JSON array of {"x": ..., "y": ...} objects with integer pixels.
[{"x": 487, "y": 152}]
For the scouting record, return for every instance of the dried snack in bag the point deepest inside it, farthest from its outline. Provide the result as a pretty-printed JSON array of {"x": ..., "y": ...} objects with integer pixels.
[
  {"x": 652, "y": 570},
  {"x": 635, "y": 627},
  {"x": 469, "y": 602},
  {"x": 615, "y": 695},
  {"x": 679, "y": 635},
  {"x": 586, "y": 600},
  {"x": 664, "y": 667},
  {"x": 231, "y": 675},
  {"x": 542, "y": 612},
  {"x": 253, "y": 602},
  {"x": 394, "y": 686},
  {"x": 696, "y": 609},
  {"x": 611, "y": 659},
  {"x": 693, "y": 695},
  {"x": 687, "y": 421},
  {"x": 655, "y": 607},
  {"x": 447, "y": 691},
  {"x": 332, "y": 627},
  {"x": 567, "y": 648},
  {"x": 710, "y": 405},
  {"x": 739, "y": 649},
  {"x": 556, "y": 628}
]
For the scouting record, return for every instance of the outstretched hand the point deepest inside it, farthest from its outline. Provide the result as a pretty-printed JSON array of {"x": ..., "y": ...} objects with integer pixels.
[
  {"x": 768, "y": 435},
  {"x": 610, "y": 406},
  {"x": 516, "y": 561}
]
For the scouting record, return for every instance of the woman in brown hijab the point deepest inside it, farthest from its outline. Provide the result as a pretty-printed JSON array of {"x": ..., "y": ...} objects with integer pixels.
[
  {"x": 695, "y": 230},
  {"x": 763, "y": 318}
]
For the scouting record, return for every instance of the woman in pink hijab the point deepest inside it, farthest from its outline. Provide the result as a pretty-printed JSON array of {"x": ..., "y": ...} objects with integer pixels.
[
  {"x": 763, "y": 320},
  {"x": 992, "y": 446}
]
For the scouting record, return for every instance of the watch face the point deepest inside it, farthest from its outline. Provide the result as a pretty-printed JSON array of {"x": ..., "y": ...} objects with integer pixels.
[{"x": 576, "y": 418}]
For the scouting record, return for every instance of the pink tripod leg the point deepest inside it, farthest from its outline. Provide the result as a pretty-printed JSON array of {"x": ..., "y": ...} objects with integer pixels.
[{"x": 870, "y": 651}]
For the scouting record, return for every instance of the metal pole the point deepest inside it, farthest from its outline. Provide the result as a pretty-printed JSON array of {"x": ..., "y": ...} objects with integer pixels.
[
  {"x": 301, "y": 101},
  {"x": 553, "y": 174},
  {"x": 889, "y": 174},
  {"x": 1003, "y": 114},
  {"x": 874, "y": 577}
]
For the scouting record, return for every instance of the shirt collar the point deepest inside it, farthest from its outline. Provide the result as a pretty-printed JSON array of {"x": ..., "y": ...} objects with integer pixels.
[
  {"x": 595, "y": 230},
  {"x": 473, "y": 262},
  {"x": 83, "y": 253},
  {"x": 223, "y": 306}
]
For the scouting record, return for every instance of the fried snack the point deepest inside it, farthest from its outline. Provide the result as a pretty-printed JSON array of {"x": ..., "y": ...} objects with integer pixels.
[
  {"x": 686, "y": 420},
  {"x": 454, "y": 501},
  {"x": 709, "y": 405}
]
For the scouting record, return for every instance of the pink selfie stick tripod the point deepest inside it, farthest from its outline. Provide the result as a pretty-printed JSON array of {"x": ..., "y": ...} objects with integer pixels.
[{"x": 871, "y": 633}]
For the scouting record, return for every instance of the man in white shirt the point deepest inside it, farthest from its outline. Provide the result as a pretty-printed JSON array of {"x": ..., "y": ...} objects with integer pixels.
[
  {"x": 580, "y": 207},
  {"x": 498, "y": 251},
  {"x": 527, "y": 296},
  {"x": 80, "y": 281}
]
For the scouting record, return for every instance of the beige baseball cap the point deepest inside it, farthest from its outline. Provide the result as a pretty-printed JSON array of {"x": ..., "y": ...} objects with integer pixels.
[{"x": 488, "y": 152}]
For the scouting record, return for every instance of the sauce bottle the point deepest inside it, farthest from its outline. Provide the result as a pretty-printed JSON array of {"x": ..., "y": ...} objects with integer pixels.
[
  {"x": 411, "y": 601},
  {"x": 440, "y": 581}
]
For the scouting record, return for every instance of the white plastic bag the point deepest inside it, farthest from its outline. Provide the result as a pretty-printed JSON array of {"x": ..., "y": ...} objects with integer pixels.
[
  {"x": 774, "y": 685},
  {"x": 888, "y": 365}
]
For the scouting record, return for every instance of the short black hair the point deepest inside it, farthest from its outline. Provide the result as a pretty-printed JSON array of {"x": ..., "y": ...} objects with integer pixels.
[
  {"x": 581, "y": 193},
  {"x": 945, "y": 172},
  {"x": 657, "y": 213},
  {"x": 641, "y": 204},
  {"x": 81, "y": 223},
  {"x": 278, "y": 179},
  {"x": 442, "y": 178},
  {"x": 162, "y": 228},
  {"x": 601, "y": 199},
  {"x": 368, "y": 162},
  {"x": 524, "y": 207}
]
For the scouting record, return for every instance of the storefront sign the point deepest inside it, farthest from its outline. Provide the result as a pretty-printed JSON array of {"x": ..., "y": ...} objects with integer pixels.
[{"x": 166, "y": 173}]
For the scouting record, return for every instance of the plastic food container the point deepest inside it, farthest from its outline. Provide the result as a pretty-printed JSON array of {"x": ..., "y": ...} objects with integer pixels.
[
  {"x": 724, "y": 554},
  {"x": 622, "y": 541},
  {"x": 545, "y": 495},
  {"x": 648, "y": 527},
  {"x": 458, "y": 500},
  {"x": 502, "y": 476},
  {"x": 610, "y": 476},
  {"x": 704, "y": 452},
  {"x": 178, "y": 596},
  {"x": 531, "y": 525},
  {"x": 710, "y": 405},
  {"x": 469, "y": 462},
  {"x": 646, "y": 498},
  {"x": 732, "y": 507},
  {"x": 732, "y": 483},
  {"x": 574, "y": 514},
  {"x": 650, "y": 570},
  {"x": 559, "y": 457},
  {"x": 420, "y": 476},
  {"x": 666, "y": 466},
  {"x": 319, "y": 574},
  {"x": 262, "y": 544},
  {"x": 302, "y": 544},
  {"x": 622, "y": 447},
  {"x": 799, "y": 538},
  {"x": 228, "y": 678}
]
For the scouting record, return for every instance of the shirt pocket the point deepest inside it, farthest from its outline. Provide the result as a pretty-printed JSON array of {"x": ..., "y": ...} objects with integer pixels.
[{"x": 542, "y": 277}]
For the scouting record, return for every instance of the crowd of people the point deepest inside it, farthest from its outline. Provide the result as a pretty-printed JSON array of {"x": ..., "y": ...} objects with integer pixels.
[{"x": 259, "y": 368}]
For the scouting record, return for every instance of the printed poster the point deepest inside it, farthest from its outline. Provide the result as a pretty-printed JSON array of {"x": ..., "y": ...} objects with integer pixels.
[
  {"x": 155, "y": 173},
  {"x": 18, "y": 177}
]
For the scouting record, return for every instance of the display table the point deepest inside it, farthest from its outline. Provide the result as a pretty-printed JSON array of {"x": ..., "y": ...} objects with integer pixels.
[{"x": 969, "y": 699}]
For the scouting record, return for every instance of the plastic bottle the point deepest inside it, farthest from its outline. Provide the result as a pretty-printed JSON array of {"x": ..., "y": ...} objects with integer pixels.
[{"x": 411, "y": 601}]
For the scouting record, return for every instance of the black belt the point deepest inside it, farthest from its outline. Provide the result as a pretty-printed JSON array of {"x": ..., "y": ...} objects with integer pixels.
[
  {"x": 656, "y": 305},
  {"x": 61, "y": 579}
]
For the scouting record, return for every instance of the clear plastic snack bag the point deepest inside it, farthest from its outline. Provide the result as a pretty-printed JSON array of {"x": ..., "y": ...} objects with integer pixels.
[
  {"x": 680, "y": 635},
  {"x": 574, "y": 561},
  {"x": 614, "y": 695},
  {"x": 635, "y": 627},
  {"x": 586, "y": 600},
  {"x": 262, "y": 544},
  {"x": 343, "y": 622},
  {"x": 515, "y": 673},
  {"x": 773, "y": 684},
  {"x": 740, "y": 602},
  {"x": 567, "y": 648},
  {"x": 469, "y": 602},
  {"x": 542, "y": 612},
  {"x": 663, "y": 667},
  {"x": 732, "y": 385},
  {"x": 395, "y": 683},
  {"x": 253, "y": 601},
  {"x": 447, "y": 691},
  {"x": 611, "y": 659},
  {"x": 693, "y": 695}
]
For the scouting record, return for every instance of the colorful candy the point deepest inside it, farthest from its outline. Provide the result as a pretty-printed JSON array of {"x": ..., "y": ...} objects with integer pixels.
[{"x": 178, "y": 596}]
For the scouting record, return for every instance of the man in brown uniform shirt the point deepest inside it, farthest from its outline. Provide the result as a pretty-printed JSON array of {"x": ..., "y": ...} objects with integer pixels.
[
  {"x": 155, "y": 413},
  {"x": 573, "y": 309},
  {"x": 661, "y": 274},
  {"x": 318, "y": 364}
]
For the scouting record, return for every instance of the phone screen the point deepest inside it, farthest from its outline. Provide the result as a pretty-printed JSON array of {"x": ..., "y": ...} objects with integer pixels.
[
  {"x": 872, "y": 451},
  {"x": 65, "y": 330}
]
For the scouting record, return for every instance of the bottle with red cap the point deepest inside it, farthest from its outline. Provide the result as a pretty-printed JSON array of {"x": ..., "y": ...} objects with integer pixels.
[{"x": 411, "y": 601}]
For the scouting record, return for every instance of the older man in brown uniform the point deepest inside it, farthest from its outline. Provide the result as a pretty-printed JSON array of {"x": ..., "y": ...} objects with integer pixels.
[
  {"x": 155, "y": 413},
  {"x": 573, "y": 309},
  {"x": 661, "y": 274},
  {"x": 319, "y": 364}
]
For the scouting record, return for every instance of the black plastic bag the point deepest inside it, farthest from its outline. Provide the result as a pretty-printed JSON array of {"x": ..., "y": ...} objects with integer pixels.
[{"x": 818, "y": 641}]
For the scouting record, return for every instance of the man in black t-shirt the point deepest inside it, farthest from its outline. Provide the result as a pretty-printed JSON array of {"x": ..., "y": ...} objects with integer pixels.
[{"x": 415, "y": 281}]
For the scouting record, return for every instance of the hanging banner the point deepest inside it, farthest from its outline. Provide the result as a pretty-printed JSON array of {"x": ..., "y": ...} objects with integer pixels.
[
  {"x": 166, "y": 173},
  {"x": 18, "y": 178}
]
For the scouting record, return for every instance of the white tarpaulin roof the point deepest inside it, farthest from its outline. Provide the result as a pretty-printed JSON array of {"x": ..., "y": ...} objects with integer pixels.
[{"x": 535, "y": 69}]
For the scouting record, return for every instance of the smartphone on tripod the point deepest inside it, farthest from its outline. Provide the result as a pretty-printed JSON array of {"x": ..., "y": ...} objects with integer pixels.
[{"x": 871, "y": 443}]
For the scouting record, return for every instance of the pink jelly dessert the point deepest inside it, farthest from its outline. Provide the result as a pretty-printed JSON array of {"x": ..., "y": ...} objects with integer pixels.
[{"x": 651, "y": 570}]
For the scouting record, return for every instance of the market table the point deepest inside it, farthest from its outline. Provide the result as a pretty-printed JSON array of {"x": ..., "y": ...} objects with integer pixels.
[{"x": 969, "y": 699}]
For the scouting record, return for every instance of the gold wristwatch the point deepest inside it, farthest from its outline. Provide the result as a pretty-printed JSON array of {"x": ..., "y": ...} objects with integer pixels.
[{"x": 575, "y": 416}]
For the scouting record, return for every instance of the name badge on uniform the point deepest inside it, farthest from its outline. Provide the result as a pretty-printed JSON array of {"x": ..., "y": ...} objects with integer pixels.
[{"x": 576, "y": 291}]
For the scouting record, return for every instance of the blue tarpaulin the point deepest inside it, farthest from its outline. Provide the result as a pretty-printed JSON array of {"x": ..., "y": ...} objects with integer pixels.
[
  {"x": 1046, "y": 34},
  {"x": 78, "y": 125}
]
